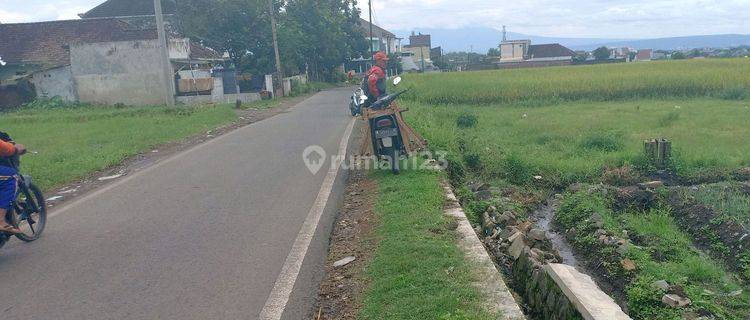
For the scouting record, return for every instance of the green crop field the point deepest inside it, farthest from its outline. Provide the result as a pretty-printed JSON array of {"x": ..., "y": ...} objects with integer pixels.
[
  {"x": 700, "y": 105},
  {"x": 689, "y": 78},
  {"x": 530, "y": 133}
]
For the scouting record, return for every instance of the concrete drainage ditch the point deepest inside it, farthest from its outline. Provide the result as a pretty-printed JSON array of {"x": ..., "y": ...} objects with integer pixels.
[
  {"x": 535, "y": 257},
  {"x": 546, "y": 288}
]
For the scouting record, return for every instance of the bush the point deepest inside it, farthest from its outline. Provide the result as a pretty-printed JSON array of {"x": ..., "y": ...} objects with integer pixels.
[
  {"x": 734, "y": 93},
  {"x": 473, "y": 161},
  {"x": 466, "y": 120},
  {"x": 517, "y": 169},
  {"x": 607, "y": 142}
]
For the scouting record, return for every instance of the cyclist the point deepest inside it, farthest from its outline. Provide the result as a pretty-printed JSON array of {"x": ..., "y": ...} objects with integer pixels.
[{"x": 8, "y": 179}]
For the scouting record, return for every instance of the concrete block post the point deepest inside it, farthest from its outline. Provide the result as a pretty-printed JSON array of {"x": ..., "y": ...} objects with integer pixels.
[
  {"x": 269, "y": 84},
  {"x": 287, "y": 87}
]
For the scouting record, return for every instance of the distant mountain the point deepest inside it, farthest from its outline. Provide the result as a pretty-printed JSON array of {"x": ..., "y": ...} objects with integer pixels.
[
  {"x": 482, "y": 39},
  {"x": 676, "y": 43}
]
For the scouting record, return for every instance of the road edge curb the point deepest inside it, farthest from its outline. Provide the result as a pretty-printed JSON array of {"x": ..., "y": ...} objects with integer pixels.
[{"x": 491, "y": 282}]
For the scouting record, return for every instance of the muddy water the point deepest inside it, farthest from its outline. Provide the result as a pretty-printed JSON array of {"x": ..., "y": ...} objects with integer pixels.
[{"x": 544, "y": 217}]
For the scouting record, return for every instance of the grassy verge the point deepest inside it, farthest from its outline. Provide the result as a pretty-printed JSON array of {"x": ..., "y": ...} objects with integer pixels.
[
  {"x": 417, "y": 271},
  {"x": 660, "y": 250},
  {"x": 70, "y": 142}
]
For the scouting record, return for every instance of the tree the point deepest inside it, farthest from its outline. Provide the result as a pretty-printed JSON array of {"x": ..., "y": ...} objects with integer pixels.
[
  {"x": 314, "y": 35},
  {"x": 601, "y": 53},
  {"x": 679, "y": 56},
  {"x": 493, "y": 52}
]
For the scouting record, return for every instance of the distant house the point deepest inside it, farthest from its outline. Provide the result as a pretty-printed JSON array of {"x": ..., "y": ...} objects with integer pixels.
[
  {"x": 522, "y": 54},
  {"x": 382, "y": 40},
  {"x": 644, "y": 55},
  {"x": 420, "y": 40},
  {"x": 103, "y": 60},
  {"x": 38, "y": 54},
  {"x": 620, "y": 53}
]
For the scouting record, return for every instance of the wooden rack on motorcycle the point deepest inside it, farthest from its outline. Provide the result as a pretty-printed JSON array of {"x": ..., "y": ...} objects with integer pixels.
[{"x": 411, "y": 141}]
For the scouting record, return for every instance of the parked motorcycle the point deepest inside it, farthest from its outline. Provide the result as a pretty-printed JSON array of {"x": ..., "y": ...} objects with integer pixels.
[
  {"x": 28, "y": 212},
  {"x": 385, "y": 132},
  {"x": 358, "y": 100}
]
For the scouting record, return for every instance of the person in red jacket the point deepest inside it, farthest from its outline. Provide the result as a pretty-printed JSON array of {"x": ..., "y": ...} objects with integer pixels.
[
  {"x": 376, "y": 78},
  {"x": 8, "y": 182}
]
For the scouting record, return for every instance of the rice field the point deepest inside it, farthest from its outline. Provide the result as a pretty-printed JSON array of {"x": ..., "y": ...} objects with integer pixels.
[
  {"x": 699, "y": 104},
  {"x": 683, "y": 78}
]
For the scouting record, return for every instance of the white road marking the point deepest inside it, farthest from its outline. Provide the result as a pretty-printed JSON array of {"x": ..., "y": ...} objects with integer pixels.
[{"x": 282, "y": 289}]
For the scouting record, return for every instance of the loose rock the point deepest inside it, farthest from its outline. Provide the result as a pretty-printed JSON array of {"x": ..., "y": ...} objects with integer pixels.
[
  {"x": 628, "y": 264},
  {"x": 675, "y": 301},
  {"x": 344, "y": 261},
  {"x": 661, "y": 284},
  {"x": 537, "y": 234}
]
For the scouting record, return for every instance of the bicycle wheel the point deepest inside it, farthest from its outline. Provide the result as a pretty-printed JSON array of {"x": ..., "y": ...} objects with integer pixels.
[{"x": 30, "y": 221}]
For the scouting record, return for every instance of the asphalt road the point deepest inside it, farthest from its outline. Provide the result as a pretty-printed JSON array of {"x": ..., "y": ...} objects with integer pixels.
[{"x": 200, "y": 235}]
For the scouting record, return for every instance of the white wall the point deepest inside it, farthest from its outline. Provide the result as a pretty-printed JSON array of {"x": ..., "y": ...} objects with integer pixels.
[
  {"x": 57, "y": 82},
  {"x": 127, "y": 72}
]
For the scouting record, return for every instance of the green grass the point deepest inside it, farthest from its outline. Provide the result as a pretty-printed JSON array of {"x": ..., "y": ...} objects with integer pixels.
[
  {"x": 547, "y": 128},
  {"x": 661, "y": 251},
  {"x": 727, "y": 78},
  {"x": 417, "y": 271},
  {"x": 572, "y": 141},
  {"x": 727, "y": 199},
  {"x": 69, "y": 143}
]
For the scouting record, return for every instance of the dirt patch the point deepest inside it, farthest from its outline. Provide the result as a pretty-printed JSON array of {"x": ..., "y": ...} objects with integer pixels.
[
  {"x": 59, "y": 196},
  {"x": 341, "y": 291}
]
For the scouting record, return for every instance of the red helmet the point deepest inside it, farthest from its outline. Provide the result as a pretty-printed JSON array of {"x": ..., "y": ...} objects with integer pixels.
[{"x": 380, "y": 56}]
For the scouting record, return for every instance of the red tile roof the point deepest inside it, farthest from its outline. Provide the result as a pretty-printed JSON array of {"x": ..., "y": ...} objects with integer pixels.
[{"x": 48, "y": 43}]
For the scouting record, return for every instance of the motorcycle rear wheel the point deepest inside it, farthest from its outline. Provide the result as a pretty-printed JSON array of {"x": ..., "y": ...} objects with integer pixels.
[{"x": 32, "y": 229}]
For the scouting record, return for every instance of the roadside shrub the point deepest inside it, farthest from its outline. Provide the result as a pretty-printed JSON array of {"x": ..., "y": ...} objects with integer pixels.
[
  {"x": 466, "y": 120},
  {"x": 734, "y": 93},
  {"x": 605, "y": 141}
]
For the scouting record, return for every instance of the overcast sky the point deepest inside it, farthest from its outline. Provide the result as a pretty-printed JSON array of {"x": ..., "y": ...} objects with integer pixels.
[{"x": 564, "y": 18}]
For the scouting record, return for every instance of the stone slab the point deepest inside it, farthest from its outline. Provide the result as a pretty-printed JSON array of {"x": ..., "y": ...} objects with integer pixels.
[
  {"x": 582, "y": 291},
  {"x": 491, "y": 282}
]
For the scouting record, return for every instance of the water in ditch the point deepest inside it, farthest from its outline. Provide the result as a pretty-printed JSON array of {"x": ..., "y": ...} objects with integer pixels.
[{"x": 544, "y": 217}]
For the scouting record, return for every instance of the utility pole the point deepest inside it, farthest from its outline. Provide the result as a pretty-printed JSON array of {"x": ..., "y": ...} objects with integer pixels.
[
  {"x": 421, "y": 53},
  {"x": 279, "y": 73},
  {"x": 372, "y": 44},
  {"x": 168, "y": 80}
]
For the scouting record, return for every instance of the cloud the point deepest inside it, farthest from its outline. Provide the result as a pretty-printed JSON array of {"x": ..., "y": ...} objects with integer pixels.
[
  {"x": 570, "y": 18},
  {"x": 564, "y": 18},
  {"x": 14, "y": 11}
]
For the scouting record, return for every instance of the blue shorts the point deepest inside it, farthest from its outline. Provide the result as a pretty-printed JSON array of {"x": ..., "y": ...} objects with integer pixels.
[{"x": 8, "y": 187}]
